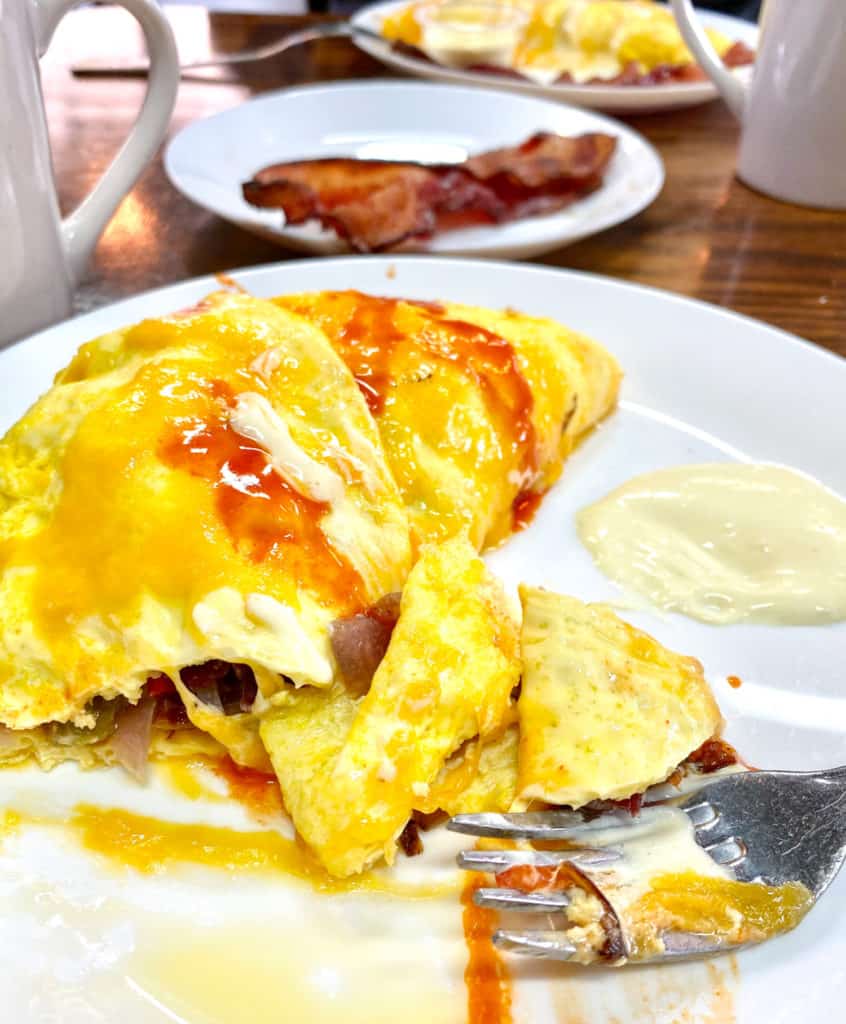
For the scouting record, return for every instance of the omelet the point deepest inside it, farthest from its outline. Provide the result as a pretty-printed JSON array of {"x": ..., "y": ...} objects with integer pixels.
[
  {"x": 481, "y": 776},
  {"x": 588, "y": 40},
  {"x": 476, "y": 408},
  {"x": 351, "y": 769},
  {"x": 605, "y": 710},
  {"x": 204, "y": 488}
]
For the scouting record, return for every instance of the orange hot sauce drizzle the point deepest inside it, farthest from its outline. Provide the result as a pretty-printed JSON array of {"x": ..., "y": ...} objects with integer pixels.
[
  {"x": 258, "y": 791},
  {"x": 734, "y": 681},
  {"x": 365, "y": 335},
  {"x": 524, "y": 508},
  {"x": 265, "y": 517},
  {"x": 486, "y": 976}
]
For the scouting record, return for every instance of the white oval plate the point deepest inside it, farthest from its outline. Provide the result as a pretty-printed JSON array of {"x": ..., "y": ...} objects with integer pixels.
[
  {"x": 209, "y": 159},
  {"x": 633, "y": 99},
  {"x": 76, "y": 938}
]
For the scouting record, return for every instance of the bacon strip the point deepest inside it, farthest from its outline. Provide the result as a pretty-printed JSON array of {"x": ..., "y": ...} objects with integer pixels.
[{"x": 376, "y": 204}]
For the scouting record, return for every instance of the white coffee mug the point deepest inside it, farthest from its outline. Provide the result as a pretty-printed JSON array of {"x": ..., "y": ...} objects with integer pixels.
[
  {"x": 793, "y": 144},
  {"x": 42, "y": 256}
]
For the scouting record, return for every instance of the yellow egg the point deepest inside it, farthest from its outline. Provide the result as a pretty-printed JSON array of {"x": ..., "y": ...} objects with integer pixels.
[
  {"x": 605, "y": 710},
  {"x": 595, "y": 25},
  {"x": 142, "y": 529},
  {"x": 352, "y": 770}
]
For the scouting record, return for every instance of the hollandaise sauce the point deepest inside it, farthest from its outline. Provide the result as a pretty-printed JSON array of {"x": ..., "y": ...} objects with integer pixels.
[{"x": 725, "y": 542}]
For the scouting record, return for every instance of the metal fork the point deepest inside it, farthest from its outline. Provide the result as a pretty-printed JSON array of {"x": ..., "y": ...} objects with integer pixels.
[
  {"x": 771, "y": 827},
  {"x": 325, "y": 30}
]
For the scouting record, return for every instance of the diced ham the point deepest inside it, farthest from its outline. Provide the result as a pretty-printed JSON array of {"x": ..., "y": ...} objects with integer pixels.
[
  {"x": 360, "y": 641},
  {"x": 376, "y": 205}
]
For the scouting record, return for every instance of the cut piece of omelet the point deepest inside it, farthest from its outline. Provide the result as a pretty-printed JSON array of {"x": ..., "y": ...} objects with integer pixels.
[
  {"x": 353, "y": 769},
  {"x": 605, "y": 711},
  {"x": 205, "y": 486},
  {"x": 476, "y": 408}
]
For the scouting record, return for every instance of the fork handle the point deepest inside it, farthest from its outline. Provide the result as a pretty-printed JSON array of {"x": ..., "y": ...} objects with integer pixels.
[{"x": 326, "y": 30}]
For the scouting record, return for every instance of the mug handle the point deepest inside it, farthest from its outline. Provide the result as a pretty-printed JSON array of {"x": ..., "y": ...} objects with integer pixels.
[
  {"x": 731, "y": 88},
  {"x": 82, "y": 228}
]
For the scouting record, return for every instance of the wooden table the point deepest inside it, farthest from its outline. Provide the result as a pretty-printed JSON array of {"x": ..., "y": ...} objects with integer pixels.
[{"x": 706, "y": 236}]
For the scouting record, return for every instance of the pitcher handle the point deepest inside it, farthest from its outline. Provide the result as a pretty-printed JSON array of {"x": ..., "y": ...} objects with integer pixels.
[
  {"x": 82, "y": 228},
  {"x": 731, "y": 88}
]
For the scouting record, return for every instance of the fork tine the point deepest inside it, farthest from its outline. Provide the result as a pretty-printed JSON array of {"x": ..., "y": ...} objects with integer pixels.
[
  {"x": 495, "y": 861},
  {"x": 570, "y": 825},
  {"x": 529, "y": 825},
  {"x": 552, "y": 945},
  {"x": 690, "y": 946},
  {"x": 548, "y": 945},
  {"x": 516, "y": 899},
  {"x": 702, "y": 815},
  {"x": 729, "y": 851}
]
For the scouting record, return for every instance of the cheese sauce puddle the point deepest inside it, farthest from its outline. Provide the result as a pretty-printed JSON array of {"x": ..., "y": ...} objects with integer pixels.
[{"x": 725, "y": 542}]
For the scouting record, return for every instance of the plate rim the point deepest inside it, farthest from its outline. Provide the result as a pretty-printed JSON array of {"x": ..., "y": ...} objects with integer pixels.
[
  {"x": 212, "y": 282},
  {"x": 387, "y": 84}
]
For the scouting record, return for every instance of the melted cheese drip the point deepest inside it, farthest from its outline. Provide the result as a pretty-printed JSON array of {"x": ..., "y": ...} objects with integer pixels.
[
  {"x": 719, "y": 907},
  {"x": 154, "y": 846},
  {"x": 725, "y": 542}
]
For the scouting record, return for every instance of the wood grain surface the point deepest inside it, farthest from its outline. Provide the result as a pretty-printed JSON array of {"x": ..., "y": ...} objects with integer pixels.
[{"x": 707, "y": 236}]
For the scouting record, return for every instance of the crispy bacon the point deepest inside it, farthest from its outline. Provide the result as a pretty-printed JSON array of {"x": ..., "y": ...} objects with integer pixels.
[
  {"x": 409, "y": 839},
  {"x": 376, "y": 204},
  {"x": 713, "y": 755},
  {"x": 360, "y": 641}
]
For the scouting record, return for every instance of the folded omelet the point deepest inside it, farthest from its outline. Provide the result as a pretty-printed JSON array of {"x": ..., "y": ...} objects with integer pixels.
[
  {"x": 204, "y": 528},
  {"x": 208, "y": 485},
  {"x": 476, "y": 408},
  {"x": 352, "y": 770},
  {"x": 605, "y": 711}
]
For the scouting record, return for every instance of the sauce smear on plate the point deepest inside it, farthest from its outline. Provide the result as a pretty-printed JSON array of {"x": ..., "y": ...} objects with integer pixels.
[{"x": 725, "y": 542}]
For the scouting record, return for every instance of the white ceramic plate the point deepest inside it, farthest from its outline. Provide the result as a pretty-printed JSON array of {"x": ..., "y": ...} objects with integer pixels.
[
  {"x": 209, "y": 159},
  {"x": 81, "y": 943},
  {"x": 613, "y": 98}
]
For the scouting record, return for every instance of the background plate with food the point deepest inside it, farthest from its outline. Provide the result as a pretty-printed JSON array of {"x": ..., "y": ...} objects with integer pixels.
[
  {"x": 212, "y": 159},
  {"x": 124, "y": 914},
  {"x": 532, "y": 50}
]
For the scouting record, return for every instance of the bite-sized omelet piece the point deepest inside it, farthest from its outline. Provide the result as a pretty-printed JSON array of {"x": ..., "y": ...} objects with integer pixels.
[
  {"x": 605, "y": 711},
  {"x": 208, "y": 485},
  {"x": 476, "y": 408},
  {"x": 352, "y": 770}
]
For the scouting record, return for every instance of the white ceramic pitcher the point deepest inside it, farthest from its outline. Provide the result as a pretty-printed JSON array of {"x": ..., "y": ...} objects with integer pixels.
[
  {"x": 793, "y": 144},
  {"x": 42, "y": 256}
]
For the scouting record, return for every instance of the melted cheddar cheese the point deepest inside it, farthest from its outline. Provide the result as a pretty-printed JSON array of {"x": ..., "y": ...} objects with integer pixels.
[
  {"x": 207, "y": 485},
  {"x": 476, "y": 408}
]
